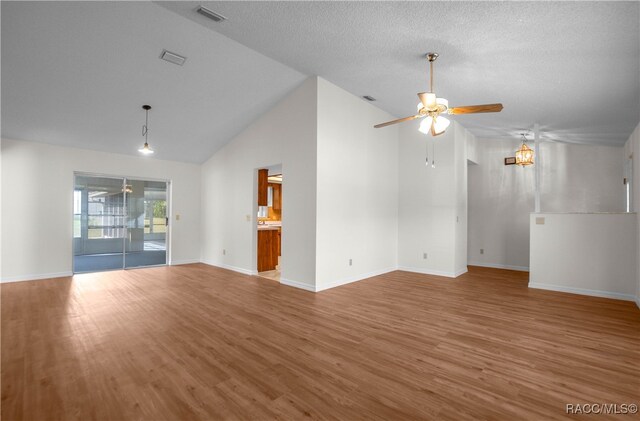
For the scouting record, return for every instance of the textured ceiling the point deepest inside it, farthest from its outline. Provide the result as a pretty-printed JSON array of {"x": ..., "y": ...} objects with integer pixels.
[
  {"x": 77, "y": 74},
  {"x": 573, "y": 67}
]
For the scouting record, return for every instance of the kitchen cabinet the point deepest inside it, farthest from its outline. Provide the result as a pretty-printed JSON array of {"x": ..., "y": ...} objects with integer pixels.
[
  {"x": 263, "y": 187},
  {"x": 276, "y": 196},
  {"x": 279, "y": 241},
  {"x": 268, "y": 249}
]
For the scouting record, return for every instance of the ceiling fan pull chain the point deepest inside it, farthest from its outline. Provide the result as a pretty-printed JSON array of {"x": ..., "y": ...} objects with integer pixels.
[
  {"x": 427, "y": 153},
  {"x": 433, "y": 154}
]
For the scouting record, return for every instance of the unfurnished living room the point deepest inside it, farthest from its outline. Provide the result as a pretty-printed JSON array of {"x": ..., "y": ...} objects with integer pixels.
[{"x": 259, "y": 210}]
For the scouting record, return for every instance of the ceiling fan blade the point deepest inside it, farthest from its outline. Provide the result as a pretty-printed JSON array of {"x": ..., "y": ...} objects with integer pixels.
[
  {"x": 469, "y": 109},
  {"x": 400, "y": 120}
]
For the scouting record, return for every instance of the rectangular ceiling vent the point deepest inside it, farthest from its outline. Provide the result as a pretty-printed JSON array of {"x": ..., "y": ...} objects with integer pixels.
[
  {"x": 173, "y": 57},
  {"x": 210, "y": 14},
  {"x": 369, "y": 98}
]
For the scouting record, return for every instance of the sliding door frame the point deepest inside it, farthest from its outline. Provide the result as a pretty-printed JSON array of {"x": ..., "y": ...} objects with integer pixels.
[{"x": 126, "y": 216}]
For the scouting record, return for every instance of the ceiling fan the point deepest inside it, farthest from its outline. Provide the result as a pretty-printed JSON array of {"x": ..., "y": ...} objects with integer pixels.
[{"x": 431, "y": 108}]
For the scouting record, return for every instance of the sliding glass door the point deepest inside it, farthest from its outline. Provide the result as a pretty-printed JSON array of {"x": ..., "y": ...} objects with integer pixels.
[
  {"x": 118, "y": 223},
  {"x": 99, "y": 223},
  {"x": 146, "y": 223}
]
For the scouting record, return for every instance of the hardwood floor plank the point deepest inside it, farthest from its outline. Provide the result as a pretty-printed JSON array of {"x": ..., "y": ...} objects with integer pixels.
[{"x": 198, "y": 342}]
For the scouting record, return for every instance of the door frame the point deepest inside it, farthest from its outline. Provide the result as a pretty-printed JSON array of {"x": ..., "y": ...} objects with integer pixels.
[
  {"x": 124, "y": 179},
  {"x": 253, "y": 218}
]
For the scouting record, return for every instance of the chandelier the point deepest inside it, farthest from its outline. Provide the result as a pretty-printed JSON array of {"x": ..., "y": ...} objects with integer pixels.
[{"x": 524, "y": 155}]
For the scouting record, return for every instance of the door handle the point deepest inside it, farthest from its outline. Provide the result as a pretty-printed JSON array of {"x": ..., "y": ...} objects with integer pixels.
[{"x": 166, "y": 221}]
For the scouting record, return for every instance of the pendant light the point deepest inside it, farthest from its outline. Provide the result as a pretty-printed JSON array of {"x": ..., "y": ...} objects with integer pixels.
[
  {"x": 524, "y": 155},
  {"x": 145, "y": 149}
]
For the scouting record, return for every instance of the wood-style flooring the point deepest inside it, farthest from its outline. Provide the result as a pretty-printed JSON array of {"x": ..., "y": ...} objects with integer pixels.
[{"x": 196, "y": 342}]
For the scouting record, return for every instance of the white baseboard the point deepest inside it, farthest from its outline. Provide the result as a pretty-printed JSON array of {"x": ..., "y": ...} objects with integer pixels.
[
  {"x": 299, "y": 285},
  {"x": 35, "y": 277},
  {"x": 184, "y": 262},
  {"x": 427, "y": 271},
  {"x": 500, "y": 266},
  {"x": 637, "y": 300},
  {"x": 229, "y": 267},
  {"x": 461, "y": 272},
  {"x": 349, "y": 280},
  {"x": 582, "y": 291}
]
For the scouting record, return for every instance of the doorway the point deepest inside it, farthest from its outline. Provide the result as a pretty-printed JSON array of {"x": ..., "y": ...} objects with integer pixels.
[
  {"x": 118, "y": 223},
  {"x": 269, "y": 226},
  {"x": 628, "y": 184}
]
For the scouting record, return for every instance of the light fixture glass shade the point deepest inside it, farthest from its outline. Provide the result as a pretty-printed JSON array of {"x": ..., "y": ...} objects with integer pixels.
[
  {"x": 442, "y": 101},
  {"x": 420, "y": 106},
  {"x": 524, "y": 155},
  {"x": 431, "y": 101},
  {"x": 425, "y": 125},
  {"x": 440, "y": 124},
  {"x": 145, "y": 149}
]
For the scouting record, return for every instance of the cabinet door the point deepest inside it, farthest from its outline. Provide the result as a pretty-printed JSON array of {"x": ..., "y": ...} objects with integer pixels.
[
  {"x": 277, "y": 196},
  {"x": 267, "y": 250},
  {"x": 263, "y": 183}
]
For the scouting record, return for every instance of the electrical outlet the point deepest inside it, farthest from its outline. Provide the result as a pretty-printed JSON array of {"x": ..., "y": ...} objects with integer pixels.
[
  {"x": 424, "y": 256},
  {"x": 350, "y": 262},
  {"x": 540, "y": 220},
  {"x": 481, "y": 251},
  {"x": 248, "y": 218},
  {"x": 224, "y": 252},
  {"x": 457, "y": 219},
  {"x": 177, "y": 216}
]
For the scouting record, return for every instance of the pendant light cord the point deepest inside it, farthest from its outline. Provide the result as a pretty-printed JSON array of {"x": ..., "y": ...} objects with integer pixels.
[{"x": 145, "y": 129}]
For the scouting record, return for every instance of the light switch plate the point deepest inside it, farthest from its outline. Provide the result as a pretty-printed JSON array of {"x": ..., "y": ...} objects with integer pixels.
[
  {"x": 177, "y": 216},
  {"x": 539, "y": 220}
]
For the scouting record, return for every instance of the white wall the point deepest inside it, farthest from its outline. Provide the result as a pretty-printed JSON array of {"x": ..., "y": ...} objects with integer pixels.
[
  {"x": 465, "y": 146},
  {"x": 473, "y": 152},
  {"x": 430, "y": 199},
  {"x": 580, "y": 178},
  {"x": 284, "y": 135},
  {"x": 574, "y": 178},
  {"x": 500, "y": 200},
  {"x": 37, "y": 204},
  {"x": 1, "y": 237},
  {"x": 632, "y": 148},
  {"x": 592, "y": 254},
  {"x": 357, "y": 197}
]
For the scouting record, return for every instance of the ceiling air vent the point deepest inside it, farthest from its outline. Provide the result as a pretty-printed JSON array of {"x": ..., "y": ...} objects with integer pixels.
[
  {"x": 173, "y": 57},
  {"x": 369, "y": 98},
  {"x": 210, "y": 14}
]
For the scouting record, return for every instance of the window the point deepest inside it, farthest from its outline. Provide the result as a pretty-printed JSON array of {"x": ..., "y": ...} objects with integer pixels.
[
  {"x": 155, "y": 216},
  {"x": 105, "y": 216},
  {"x": 77, "y": 213},
  {"x": 628, "y": 177}
]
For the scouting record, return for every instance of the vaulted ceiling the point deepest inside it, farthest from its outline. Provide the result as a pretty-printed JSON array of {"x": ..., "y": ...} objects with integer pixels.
[{"x": 77, "y": 73}]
